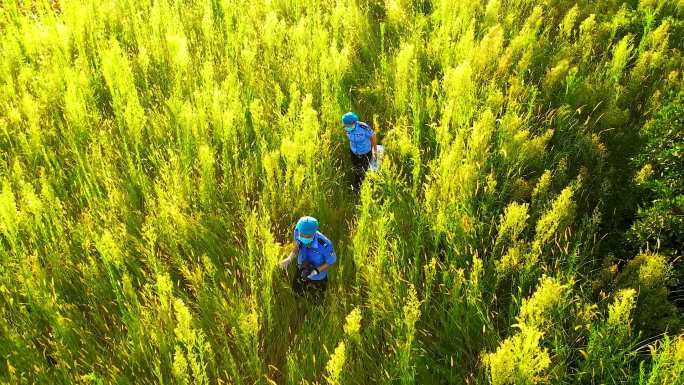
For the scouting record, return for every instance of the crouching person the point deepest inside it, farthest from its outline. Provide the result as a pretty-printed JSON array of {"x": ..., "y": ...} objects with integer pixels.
[{"x": 315, "y": 255}]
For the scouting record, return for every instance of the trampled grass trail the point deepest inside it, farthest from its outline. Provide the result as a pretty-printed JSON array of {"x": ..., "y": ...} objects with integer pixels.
[{"x": 306, "y": 316}]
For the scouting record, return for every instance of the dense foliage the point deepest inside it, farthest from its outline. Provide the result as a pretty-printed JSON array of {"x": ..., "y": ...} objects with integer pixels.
[{"x": 525, "y": 226}]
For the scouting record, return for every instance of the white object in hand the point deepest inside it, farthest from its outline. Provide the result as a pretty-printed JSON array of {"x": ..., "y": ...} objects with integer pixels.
[{"x": 375, "y": 163}]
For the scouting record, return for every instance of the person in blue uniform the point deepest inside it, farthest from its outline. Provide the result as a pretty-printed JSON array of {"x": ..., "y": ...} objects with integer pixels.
[
  {"x": 315, "y": 255},
  {"x": 363, "y": 145}
]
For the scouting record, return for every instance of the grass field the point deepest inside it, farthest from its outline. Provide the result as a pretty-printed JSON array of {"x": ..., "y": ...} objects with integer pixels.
[{"x": 526, "y": 225}]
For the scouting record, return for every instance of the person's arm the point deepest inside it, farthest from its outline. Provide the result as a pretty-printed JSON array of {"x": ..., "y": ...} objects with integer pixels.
[
  {"x": 330, "y": 259},
  {"x": 293, "y": 254},
  {"x": 323, "y": 267},
  {"x": 319, "y": 269},
  {"x": 374, "y": 145}
]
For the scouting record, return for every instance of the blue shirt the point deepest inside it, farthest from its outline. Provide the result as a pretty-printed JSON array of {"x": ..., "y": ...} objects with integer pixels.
[
  {"x": 318, "y": 252},
  {"x": 360, "y": 138}
]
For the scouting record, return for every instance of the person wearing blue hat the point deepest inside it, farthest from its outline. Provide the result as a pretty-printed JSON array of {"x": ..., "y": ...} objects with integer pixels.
[
  {"x": 363, "y": 145},
  {"x": 315, "y": 255}
]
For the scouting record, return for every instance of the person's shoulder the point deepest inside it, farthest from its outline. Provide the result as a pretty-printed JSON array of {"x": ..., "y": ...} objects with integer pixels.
[
  {"x": 364, "y": 125},
  {"x": 323, "y": 240}
]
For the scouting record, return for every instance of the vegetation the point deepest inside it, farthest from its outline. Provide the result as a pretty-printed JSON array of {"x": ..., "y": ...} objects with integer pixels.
[{"x": 525, "y": 226}]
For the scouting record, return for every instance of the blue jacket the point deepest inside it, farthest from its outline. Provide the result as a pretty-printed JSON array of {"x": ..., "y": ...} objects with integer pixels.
[
  {"x": 318, "y": 252},
  {"x": 360, "y": 138}
]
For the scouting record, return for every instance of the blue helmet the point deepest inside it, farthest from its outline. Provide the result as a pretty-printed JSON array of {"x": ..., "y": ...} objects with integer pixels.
[
  {"x": 350, "y": 118},
  {"x": 307, "y": 225}
]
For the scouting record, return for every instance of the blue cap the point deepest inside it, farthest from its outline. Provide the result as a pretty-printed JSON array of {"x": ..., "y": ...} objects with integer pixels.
[
  {"x": 350, "y": 118},
  {"x": 307, "y": 225}
]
